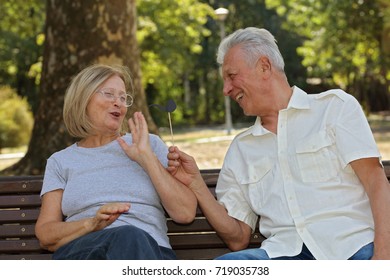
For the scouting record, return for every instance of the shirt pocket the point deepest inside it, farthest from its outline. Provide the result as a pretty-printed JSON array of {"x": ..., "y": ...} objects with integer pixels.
[
  {"x": 316, "y": 161},
  {"x": 253, "y": 180}
]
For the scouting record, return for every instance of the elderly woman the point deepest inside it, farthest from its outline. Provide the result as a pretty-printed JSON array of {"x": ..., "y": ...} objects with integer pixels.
[{"x": 111, "y": 188}]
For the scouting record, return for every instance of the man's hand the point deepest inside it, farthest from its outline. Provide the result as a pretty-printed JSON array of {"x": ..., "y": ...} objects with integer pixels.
[{"x": 183, "y": 167}]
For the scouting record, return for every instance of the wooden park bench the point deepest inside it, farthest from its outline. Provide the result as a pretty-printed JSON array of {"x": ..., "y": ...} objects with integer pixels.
[
  {"x": 19, "y": 209},
  {"x": 20, "y": 204}
]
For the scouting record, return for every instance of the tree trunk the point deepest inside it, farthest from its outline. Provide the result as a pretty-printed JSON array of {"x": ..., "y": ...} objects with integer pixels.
[{"x": 79, "y": 33}]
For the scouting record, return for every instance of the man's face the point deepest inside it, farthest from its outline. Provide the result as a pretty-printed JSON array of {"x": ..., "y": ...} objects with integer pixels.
[{"x": 242, "y": 82}]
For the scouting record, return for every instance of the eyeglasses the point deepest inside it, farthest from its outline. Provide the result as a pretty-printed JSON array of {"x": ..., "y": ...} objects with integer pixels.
[{"x": 109, "y": 95}]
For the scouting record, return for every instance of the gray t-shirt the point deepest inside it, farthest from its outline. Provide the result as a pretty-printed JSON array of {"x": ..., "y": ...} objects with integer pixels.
[{"x": 91, "y": 177}]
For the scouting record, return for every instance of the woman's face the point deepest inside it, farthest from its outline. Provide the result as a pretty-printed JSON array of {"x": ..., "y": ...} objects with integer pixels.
[{"x": 105, "y": 114}]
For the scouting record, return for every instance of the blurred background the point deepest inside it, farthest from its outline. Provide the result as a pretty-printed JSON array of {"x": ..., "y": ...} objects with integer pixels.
[{"x": 170, "y": 48}]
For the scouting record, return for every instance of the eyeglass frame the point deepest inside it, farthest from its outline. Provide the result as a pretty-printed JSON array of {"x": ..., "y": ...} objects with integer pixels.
[{"x": 112, "y": 97}]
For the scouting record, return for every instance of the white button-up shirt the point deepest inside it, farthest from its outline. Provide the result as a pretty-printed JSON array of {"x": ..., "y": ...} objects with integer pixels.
[{"x": 300, "y": 181}]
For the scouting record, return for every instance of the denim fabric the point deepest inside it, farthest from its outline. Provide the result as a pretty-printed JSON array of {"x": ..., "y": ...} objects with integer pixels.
[
  {"x": 365, "y": 253},
  {"x": 248, "y": 254},
  {"x": 118, "y": 243}
]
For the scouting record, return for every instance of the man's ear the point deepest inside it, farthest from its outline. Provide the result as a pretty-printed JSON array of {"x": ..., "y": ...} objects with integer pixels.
[{"x": 264, "y": 65}]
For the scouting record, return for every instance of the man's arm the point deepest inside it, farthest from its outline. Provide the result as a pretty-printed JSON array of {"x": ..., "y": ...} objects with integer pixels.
[
  {"x": 235, "y": 233},
  {"x": 375, "y": 182}
]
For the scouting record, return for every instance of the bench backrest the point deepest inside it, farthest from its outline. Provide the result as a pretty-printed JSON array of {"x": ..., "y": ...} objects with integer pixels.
[{"x": 19, "y": 209}]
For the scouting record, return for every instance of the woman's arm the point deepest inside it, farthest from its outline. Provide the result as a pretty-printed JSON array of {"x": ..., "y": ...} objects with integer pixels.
[
  {"x": 178, "y": 200},
  {"x": 53, "y": 232}
]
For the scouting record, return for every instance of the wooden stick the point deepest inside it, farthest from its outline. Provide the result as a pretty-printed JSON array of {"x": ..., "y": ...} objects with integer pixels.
[{"x": 170, "y": 126}]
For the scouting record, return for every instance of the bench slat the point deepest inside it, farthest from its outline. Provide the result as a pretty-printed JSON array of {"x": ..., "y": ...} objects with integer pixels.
[
  {"x": 18, "y": 216},
  {"x": 40, "y": 256},
  {"x": 206, "y": 240},
  {"x": 200, "y": 224},
  {"x": 20, "y": 184},
  {"x": 21, "y": 245},
  {"x": 26, "y": 200},
  {"x": 17, "y": 231}
]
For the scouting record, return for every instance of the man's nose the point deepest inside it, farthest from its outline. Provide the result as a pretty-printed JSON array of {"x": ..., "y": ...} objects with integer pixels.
[{"x": 227, "y": 88}]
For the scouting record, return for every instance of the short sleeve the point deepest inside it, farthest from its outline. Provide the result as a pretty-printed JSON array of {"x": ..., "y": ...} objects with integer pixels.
[
  {"x": 231, "y": 196},
  {"x": 354, "y": 138},
  {"x": 53, "y": 177}
]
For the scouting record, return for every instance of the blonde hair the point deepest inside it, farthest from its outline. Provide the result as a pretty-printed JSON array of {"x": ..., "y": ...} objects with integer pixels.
[{"x": 80, "y": 91}]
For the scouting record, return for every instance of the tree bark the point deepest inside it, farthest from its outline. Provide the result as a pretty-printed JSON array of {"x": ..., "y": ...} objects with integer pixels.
[{"x": 79, "y": 33}]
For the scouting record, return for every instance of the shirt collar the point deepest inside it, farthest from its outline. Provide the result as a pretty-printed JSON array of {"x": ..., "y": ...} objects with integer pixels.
[
  {"x": 299, "y": 99},
  {"x": 256, "y": 129}
]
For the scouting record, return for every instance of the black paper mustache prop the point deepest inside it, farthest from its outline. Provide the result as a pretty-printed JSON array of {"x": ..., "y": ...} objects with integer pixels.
[{"x": 169, "y": 107}]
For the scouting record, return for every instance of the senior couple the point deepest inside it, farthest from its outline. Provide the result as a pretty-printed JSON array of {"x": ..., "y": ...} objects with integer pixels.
[{"x": 308, "y": 169}]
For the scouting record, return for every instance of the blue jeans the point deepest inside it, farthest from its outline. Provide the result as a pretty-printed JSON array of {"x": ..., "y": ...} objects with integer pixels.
[
  {"x": 119, "y": 243},
  {"x": 364, "y": 253}
]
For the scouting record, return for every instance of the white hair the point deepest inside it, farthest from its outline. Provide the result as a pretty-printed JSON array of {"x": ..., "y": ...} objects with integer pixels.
[{"x": 255, "y": 42}]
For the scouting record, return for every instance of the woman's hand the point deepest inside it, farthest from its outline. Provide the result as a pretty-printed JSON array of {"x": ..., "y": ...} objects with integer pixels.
[
  {"x": 107, "y": 214},
  {"x": 53, "y": 232},
  {"x": 140, "y": 149}
]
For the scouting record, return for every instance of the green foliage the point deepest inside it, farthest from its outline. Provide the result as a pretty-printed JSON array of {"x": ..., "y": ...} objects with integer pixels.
[
  {"x": 16, "y": 119},
  {"x": 170, "y": 34},
  {"x": 178, "y": 41},
  {"x": 343, "y": 43},
  {"x": 21, "y": 46}
]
